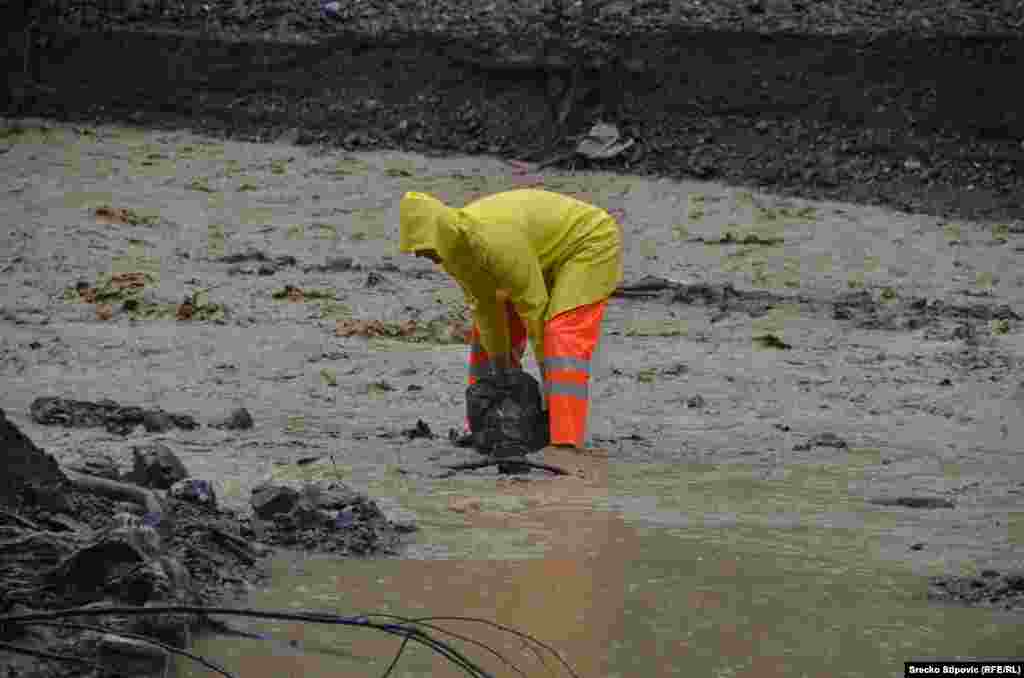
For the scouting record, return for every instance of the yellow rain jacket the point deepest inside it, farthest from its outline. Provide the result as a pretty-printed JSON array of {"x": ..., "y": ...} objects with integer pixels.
[{"x": 549, "y": 252}]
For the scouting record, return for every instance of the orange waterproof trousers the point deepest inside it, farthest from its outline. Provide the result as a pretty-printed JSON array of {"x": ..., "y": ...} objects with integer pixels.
[{"x": 569, "y": 342}]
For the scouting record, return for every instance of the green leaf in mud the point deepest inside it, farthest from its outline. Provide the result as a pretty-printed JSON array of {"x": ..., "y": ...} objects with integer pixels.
[
  {"x": 823, "y": 263},
  {"x": 744, "y": 198},
  {"x": 329, "y": 377},
  {"x": 378, "y": 388},
  {"x": 28, "y": 135},
  {"x": 200, "y": 184},
  {"x": 248, "y": 186},
  {"x": 999, "y": 326},
  {"x": 872, "y": 263},
  {"x": 369, "y": 223},
  {"x": 215, "y": 240},
  {"x": 349, "y": 166},
  {"x": 648, "y": 249},
  {"x": 398, "y": 172},
  {"x": 646, "y": 376},
  {"x": 279, "y": 167},
  {"x": 856, "y": 281},
  {"x": 255, "y": 215},
  {"x": 326, "y": 231},
  {"x": 680, "y": 232},
  {"x": 771, "y": 341},
  {"x": 79, "y": 199},
  {"x": 657, "y": 328},
  {"x": 952, "y": 232},
  {"x": 1015, "y": 528},
  {"x": 1001, "y": 232},
  {"x": 296, "y": 424},
  {"x": 985, "y": 280},
  {"x": 863, "y": 456},
  {"x": 296, "y": 232},
  {"x": 887, "y": 294}
]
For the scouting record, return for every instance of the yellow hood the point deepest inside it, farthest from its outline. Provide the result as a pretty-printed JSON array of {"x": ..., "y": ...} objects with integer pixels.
[{"x": 426, "y": 223}]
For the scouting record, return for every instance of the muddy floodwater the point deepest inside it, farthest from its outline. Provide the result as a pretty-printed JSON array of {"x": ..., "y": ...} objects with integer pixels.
[{"x": 826, "y": 412}]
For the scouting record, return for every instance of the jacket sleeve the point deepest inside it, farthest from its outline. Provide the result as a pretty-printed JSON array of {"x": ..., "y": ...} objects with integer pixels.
[{"x": 517, "y": 271}]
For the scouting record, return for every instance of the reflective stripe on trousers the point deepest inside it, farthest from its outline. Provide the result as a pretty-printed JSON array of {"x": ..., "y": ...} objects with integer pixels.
[{"x": 569, "y": 342}]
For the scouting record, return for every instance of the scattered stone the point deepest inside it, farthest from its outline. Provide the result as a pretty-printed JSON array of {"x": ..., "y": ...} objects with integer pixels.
[
  {"x": 270, "y": 500},
  {"x": 195, "y": 491},
  {"x": 823, "y": 440},
  {"x": 420, "y": 430},
  {"x": 50, "y": 411},
  {"x": 157, "y": 421},
  {"x": 695, "y": 401},
  {"x": 991, "y": 588},
  {"x": 914, "y": 502},
  {"x": 238, "y": 420},
  {"x": 156, "y": 466},
  {"x": 254, "y": 255},
  {"x": 334, "y": 265}
]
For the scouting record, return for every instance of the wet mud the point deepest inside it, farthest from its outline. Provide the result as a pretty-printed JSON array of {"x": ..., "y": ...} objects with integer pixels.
[{"x": 758, "y": 395}]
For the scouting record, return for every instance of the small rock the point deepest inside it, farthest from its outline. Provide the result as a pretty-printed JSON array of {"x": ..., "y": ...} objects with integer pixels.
[
  {"x": 195, "y": 491},
  {"x": 330, "y": 496},
  {"x": 916, "y": 547},
  {"x": 914, "y": 502},
  {"x": 420, "y": 430},
  {"x": 157, "y": 421},
  {"x": 156, "y": 466},
  {"x": 373, "y": 279},
  {"x": 695, "y": 401},
  {"x": 238, "y": 420},
  {"x": 266, "y": 269},
  {"x": 271, "y": 500}
]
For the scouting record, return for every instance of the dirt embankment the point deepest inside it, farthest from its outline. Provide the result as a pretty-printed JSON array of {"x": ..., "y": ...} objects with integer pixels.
[{"x": 915, "y": 112}]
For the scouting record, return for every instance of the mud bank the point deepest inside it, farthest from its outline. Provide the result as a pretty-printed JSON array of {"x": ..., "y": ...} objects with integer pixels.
[{"x": 919, "y": 121}]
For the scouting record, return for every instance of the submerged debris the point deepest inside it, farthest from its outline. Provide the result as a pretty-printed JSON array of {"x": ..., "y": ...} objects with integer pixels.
[
  {"x": 914, "y": 502},
  {"x": 990, "y": 588}
]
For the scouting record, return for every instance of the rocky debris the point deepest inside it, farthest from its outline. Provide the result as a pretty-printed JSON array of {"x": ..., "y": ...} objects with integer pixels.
[
  {"x": 194, "y": 490},
  {"x": 54, "y": 411},
  {"x": 914, "y": 502},
  {"x": 238, "y": 420},
  {"x": 264, "y": 264},
  {"x": 989, "y": 588},
  {"x": 334, "y": 265},
  {"x": 823, "y": 440},
  {"x": 420, "y": 430},
  {"x": 156, "y": 466},
  {"x": 323, "y": 516}
]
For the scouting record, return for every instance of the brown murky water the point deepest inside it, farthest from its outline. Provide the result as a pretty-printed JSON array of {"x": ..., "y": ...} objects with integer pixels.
[{"x": 712, "y": 541}]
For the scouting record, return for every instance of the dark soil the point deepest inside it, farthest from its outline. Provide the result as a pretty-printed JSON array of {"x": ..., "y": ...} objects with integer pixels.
[{"x": 901, "y": 104}]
